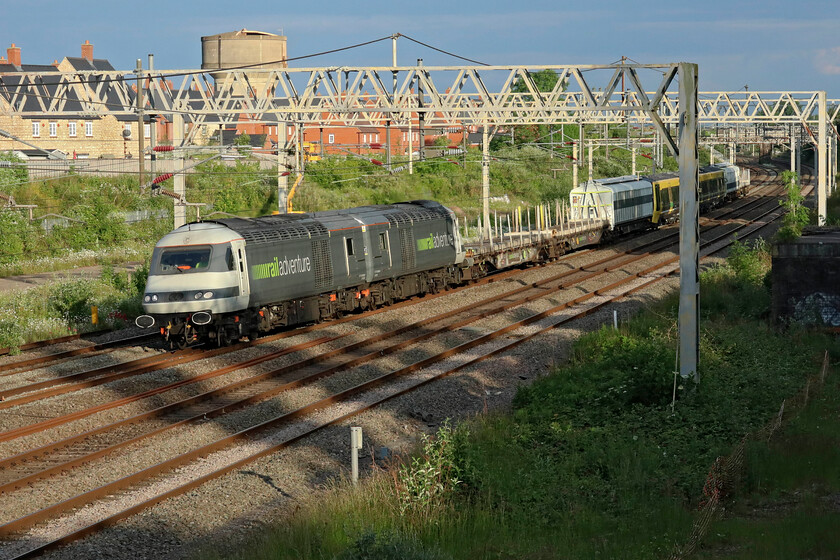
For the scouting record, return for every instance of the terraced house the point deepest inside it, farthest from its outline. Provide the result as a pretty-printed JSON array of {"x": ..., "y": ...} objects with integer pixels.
[{"x": 74, "y": 136}]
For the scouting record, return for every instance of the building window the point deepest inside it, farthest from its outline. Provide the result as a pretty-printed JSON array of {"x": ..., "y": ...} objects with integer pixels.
[
  {"x": 71, "y": 129},
  {"x": 331, "y": 139},
  {"x": 377, "y": 137},
  {"x": 36, "y": 129},
  {"x": 53, "y": 129},
  {"x": 89, "y": 128},
  {"x": 147, "y": 130}
]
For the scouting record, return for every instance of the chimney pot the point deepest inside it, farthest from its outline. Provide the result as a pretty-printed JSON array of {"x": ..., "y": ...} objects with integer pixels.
[
  {"x": 13, "y": 53},
  {"x": 87, "y": 50}
]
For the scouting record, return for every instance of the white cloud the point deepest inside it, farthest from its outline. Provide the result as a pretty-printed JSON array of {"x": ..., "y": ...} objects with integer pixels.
[{"x": 827, "y": 61}]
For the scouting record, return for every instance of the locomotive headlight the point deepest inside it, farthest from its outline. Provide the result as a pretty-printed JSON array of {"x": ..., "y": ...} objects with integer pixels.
[
  {"x": 208, "y": 295},
  {"x": 148, "y": 298},
  {"x": 154, "y": 297},
  {"x": 197, "y": 295}
]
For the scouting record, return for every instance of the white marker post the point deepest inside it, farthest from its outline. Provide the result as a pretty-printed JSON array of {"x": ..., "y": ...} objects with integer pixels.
[{"x": 355, "y": 445}]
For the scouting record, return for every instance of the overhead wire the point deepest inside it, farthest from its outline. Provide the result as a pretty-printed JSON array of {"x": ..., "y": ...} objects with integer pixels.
[
  {"x": 118, "y": 79},
  {"x": 442, "y": 51}
]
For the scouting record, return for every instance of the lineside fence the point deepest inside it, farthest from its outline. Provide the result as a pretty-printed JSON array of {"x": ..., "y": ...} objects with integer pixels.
[{"x": 726, "y": 472}]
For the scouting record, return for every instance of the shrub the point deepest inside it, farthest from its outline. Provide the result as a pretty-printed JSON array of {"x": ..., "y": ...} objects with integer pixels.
[
  {"x": 432, "y": 477},
  {"x": 797, "y": 215},
  {"x": 72, "y": 299},
  {"x": 750, "y": 263},
  {"x": 11, "y": 335}
]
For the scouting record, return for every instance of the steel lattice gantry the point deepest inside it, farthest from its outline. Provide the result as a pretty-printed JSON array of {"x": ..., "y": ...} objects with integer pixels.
[
  {"x": 445, "y": 96},
  {"x": 481, "y": 96}
]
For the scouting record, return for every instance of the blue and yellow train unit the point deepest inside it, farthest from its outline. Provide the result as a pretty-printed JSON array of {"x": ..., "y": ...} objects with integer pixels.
[{"x": 633, "y": 203}]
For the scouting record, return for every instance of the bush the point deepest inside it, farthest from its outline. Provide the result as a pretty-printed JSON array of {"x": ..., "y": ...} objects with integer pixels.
[
  {"x": 72, "y": 299},
  {"x": 14, "y": 230},
  {"x": 432, "y": 477},
  {"x": 11, "y": 177},
  {"x": 11, "y": 335},
  {"x": 750, "y": 263},
  {"x": 797, "y": 215}
]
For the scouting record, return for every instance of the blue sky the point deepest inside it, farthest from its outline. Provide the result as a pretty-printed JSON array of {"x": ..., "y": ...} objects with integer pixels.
[{"x": 767, "y": 45}]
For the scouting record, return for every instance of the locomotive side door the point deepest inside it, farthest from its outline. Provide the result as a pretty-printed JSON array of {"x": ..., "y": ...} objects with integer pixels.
[
  {"x": 240, "y": 265},
  {"x": 368, "y": 254}
]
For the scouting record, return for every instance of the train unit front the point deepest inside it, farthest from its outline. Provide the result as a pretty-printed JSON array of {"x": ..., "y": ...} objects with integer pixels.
[
  {"x": 626, "y": 202},
  {"x": 197, "y": 273}
]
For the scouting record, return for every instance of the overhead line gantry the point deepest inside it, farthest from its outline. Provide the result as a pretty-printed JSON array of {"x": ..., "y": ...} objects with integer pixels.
[{"x": 481, "y": 96}]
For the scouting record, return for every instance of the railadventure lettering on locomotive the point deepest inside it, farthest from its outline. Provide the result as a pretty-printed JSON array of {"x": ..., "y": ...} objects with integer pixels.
[
  {"x": 276, "y": 268},
  {"x": 435, "y": 241}
]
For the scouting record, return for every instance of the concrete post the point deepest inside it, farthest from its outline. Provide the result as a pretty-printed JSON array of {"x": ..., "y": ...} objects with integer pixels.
[
  {"x": 485, "y": 181},
  {"x": 410, "y": 146},
  {"x": 822, "y": 160},
  {"x": 388, "y": 145},
  {"x": 798, "y": 146},
  {"x": 393, "y": 92},
  {"x": 633, "y": 157},
  {"x": 141, "y": 148},
  {"x": 355, "y": 446},
  {"x": 831, "y": 145},
  {"x": 152, "y": 126},
  {"x": 575, "y": 163},
  {"x": 282, "y": 167},
  {"x": 421, "y": 118},
  {"x": 590, "y": 160},
  {"x": 793, "y": 148},
  {"x": 179, "y": 186},
  {"x": 689, "y": 224},
  {"x": 832, "y": 169}
]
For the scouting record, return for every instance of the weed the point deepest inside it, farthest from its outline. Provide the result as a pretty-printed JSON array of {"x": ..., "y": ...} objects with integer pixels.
[
  {"x": 797, "y": 216},
  {"x": 432, "y": 477}
]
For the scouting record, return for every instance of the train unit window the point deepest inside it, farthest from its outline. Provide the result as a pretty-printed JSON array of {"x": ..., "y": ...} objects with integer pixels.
[
  {"x": 231, "y": 263},
  {"x": 184, "y": 260}
]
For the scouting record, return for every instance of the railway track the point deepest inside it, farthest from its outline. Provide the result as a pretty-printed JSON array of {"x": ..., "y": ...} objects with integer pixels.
[
  {"x": 452, "y": 321},
  {"x": 44, "y": 389}
]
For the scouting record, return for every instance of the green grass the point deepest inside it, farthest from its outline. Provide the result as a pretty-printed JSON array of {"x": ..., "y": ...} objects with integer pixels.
[
  {"x": 64, "y": 307},
  {"x": 592, "y": 462},
  {"x": 789, "y": 504}
]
